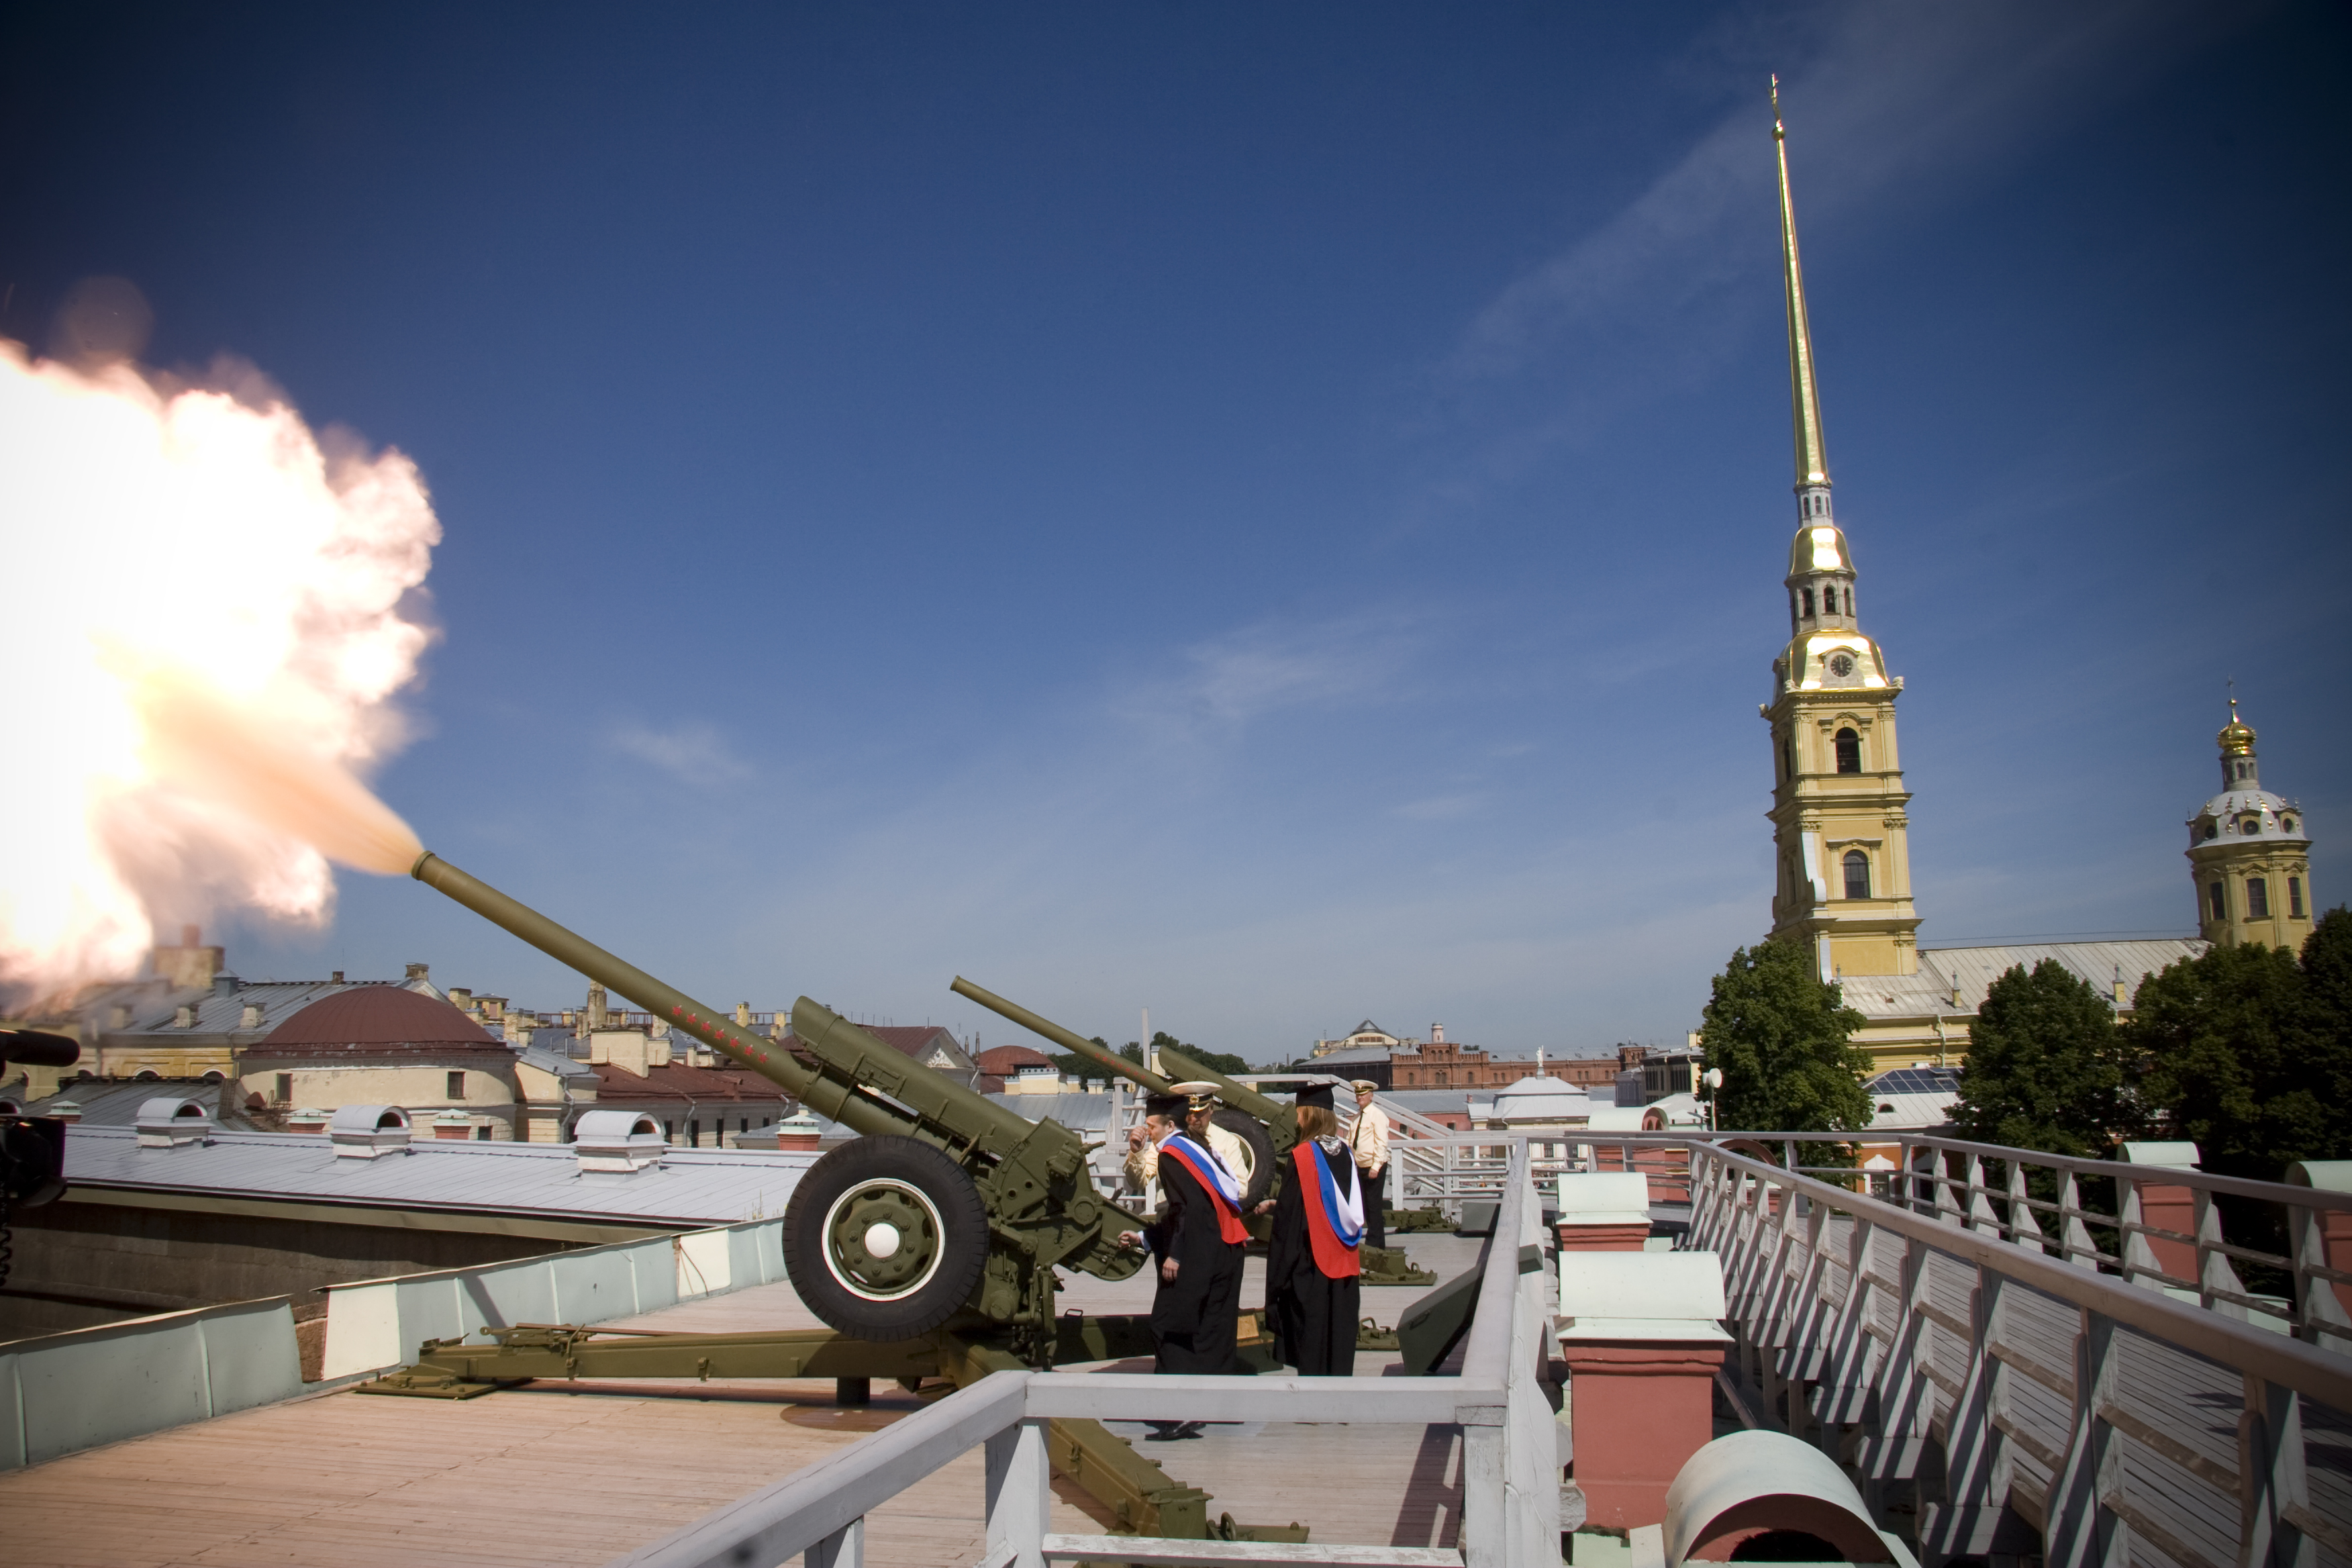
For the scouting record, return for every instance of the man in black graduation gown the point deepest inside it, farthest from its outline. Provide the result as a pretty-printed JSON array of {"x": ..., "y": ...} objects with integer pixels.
[
  {"x": 1192, "y": 1311},
  {"x": 1312, "y": 1292}
]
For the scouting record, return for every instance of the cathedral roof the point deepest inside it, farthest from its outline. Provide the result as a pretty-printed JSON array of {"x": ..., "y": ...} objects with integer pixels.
[{"x": 2229, "y": 810}]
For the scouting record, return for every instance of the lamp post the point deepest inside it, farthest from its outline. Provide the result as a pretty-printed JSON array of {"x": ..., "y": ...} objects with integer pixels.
[{"x": 1713, "y": 1079}]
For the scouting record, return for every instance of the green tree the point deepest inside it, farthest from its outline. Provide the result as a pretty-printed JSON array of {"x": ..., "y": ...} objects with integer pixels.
[
  {"x": 1779, "y": 1034},
  {"x": 1216, "y": 1061},
  {"x": 2234, "y": 1052},
  {"x": 2045, "y": 1065}
]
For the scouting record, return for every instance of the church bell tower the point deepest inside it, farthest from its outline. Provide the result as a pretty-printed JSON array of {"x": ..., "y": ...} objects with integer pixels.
[{"x": 1839, "y": 825}]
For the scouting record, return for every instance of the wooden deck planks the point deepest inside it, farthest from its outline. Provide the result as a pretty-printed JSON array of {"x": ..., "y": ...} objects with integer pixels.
[{"x": 581, "y": 1473}]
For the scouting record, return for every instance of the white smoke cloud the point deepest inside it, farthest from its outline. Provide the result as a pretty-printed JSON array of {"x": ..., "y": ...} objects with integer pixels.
[{"x": 211, "y": 608}]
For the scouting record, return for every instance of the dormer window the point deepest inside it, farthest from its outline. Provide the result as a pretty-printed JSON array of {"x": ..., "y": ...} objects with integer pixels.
[
  {"x": 2286, "y": 825},
  {"x": 2250, "y": 824},
  {"x": 1849, "y": 752},
  {"x": 2212, "y": 829}
]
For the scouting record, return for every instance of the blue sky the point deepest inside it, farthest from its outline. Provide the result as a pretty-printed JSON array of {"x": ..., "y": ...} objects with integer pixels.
[{"x": 1271, "y": 514}]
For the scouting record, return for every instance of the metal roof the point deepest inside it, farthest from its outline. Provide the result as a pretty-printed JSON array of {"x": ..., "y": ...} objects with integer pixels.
[
  {"x": 1972, "y": 969},
  {"x": 689, "y": 1187}
]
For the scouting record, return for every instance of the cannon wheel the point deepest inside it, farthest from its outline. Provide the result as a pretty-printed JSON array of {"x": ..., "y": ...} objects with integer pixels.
[
  {"x": 1252, "y": 1132},
  {"x": 885, "y": 1237}
]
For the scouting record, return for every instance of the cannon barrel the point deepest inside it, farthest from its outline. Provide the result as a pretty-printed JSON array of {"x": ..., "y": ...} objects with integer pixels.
[
  {"x": 1280, "y": 1121},
  {"x": 948, "y": 1200},
  {"x": 1069, "y": 1039}
]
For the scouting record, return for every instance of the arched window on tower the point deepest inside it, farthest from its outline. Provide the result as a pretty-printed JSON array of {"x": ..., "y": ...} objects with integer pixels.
[
  {"x": 1787, "y": 757},
  {"x": 1829, "y": 601},
  {"x": 1807, "y": 595},
  {"x": 1849, "y": 752},
  {"x": 1857, "y": 874}
]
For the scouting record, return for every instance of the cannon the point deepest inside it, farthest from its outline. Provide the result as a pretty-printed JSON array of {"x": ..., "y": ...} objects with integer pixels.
[
  {"x": 947, "y": 1204},
  {"x": 928, "y": 1243}
]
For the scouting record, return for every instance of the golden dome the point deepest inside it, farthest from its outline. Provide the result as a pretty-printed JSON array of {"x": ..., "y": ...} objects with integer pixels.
[{"x": 2237, "y": 737}]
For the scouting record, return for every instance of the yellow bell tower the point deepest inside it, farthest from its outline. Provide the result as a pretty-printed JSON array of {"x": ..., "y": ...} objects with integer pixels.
[{"x": 1839, "y": 825}]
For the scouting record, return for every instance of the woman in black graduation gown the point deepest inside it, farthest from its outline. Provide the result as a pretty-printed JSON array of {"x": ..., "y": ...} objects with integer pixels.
[{"x": 1311, "y": 1288}]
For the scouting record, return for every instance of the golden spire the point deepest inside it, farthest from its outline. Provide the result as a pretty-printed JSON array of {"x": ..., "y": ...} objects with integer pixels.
[{"x": 1813, "y": 461}]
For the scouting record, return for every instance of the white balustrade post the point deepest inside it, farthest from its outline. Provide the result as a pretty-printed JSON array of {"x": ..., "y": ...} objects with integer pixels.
[
  {"x": 2023, "y": 1229},
  {"x": 2078, "y": 1527},
  {"x": 2215, "y": 1272},
  {"x": 2315, "y": 1301},
  {"x": 845, "y": 1548},
  {"x": 1019, "y": 1493},
  {"x": 2074, "y": 1242}
]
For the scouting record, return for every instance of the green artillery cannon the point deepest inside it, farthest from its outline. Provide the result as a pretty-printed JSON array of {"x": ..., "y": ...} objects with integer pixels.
[
  {"x": 1266, "y": 1124},
  {"x": 929, "y": 1243},
  {"x": 947, "y": 1204}
]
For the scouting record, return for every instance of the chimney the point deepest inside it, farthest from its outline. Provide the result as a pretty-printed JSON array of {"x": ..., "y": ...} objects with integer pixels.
[
  {"x": 336, "y": 978},
  {"x": 453, "y": 1127},
  {"x": 189, "y": 966},
  {"x": 798, "y": 1130},
  {"x": 417, "y": 971},
  {"x": 743, "y": 1014},
  {"x": 310, "y": 1119},
  {"x": 64, "y": 1110},
  {"x": 183, "y": 1017},
  {"x": 628, "y": 1049},
  {"x": 598, "y": 1014},
  {"x": 251, "y": 1017},
  {"x": 462, "y": 998}
]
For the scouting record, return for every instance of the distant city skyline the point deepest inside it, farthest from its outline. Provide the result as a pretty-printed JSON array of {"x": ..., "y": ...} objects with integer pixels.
[{"x": 1273, "y": 517}]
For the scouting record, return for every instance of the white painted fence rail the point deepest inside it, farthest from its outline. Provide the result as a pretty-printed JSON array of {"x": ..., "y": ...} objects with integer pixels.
[
  {"x": 1511, "y": 1469},
  {"x": 374, "y": 1324},
  {"x": 62, "y": 1392}
]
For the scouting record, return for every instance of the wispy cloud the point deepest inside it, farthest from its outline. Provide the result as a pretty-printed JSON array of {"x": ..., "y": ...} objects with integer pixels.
[
  {"x": 692, "y": 751},
  {"x": 1230, "y": 681}
]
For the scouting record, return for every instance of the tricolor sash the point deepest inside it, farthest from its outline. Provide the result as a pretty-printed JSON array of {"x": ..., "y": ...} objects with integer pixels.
[
  {"x": 1335, "y": 1223},
  {"x": 1210, "y": 1173}
]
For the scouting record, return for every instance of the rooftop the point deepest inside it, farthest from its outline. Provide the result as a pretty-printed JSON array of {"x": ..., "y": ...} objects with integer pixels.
[{"x": 689, "y": 1187}]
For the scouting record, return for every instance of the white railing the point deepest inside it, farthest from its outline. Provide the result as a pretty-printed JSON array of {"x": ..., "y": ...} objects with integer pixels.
[
  {"x": 2071, "y": 1412},
  {"x": 2158, "y": 1226},
  {"x": 1511, "y": 1469}
]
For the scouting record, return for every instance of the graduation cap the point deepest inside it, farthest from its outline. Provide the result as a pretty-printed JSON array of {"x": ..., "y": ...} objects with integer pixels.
[
  {"x": 1169, "y": 1105},
  {"x": 1318, "y": 1094}
]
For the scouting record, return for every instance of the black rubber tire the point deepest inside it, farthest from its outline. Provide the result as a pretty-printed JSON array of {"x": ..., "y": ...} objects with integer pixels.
[
  {"x": 929, "y": 1181},
  {"x": 1252, "y": 1132}
]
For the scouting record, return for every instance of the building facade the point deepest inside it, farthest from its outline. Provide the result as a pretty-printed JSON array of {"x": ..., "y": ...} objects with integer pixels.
[{"x": 2249, "y": 855}]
